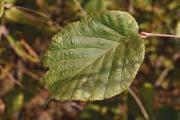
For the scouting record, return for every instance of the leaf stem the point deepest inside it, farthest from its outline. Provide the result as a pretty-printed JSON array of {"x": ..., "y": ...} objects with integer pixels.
[
  {"x": 139, "y": 103},
  {"x": 146, "y": 35}
]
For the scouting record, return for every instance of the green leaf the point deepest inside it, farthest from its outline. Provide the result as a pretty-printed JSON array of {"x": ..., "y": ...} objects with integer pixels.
[{"x": 95, "y": 58}]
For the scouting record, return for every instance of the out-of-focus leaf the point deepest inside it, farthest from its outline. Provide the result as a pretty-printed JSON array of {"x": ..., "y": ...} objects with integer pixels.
[
  {"x": 147, "y": 94},
  {"x": 14, "y": 101},
  {"x": 32, "y": 86},
  {"x": 70, "y": 11},
  {"x": 178, "y": 115},
  {"x": 9, "y": 1},
  {"x": 30, "y": 17},
  {"x": 78, "y": 6},
  {"x": 1, "y": 9},
  {"x": 96, "y": 6},
  {"x": 20, "y": 50},
  {"x": 104, "y": 110},
  {"x": 174, "y": 4},
  {"x": 95, "y": 58},
  {"x": 143, "y": 4},
  {"x": 165, "y": 113}
]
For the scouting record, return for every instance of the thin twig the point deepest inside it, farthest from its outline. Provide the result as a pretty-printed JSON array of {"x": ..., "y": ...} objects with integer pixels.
[
  {"x": 29, "y": 48},
  {"x": 31, "y": 74},
  {"x": 16, "y": 82},
  {"x": 146, "y": 35},
  {"x": 139, "y": 103}
]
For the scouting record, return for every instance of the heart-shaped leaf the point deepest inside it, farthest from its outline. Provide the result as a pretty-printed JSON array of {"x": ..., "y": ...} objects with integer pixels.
[{"x": 95, "y": 58}]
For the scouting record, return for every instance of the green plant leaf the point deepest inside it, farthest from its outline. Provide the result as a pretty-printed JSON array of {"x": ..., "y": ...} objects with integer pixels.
[{"x": 95, "y": 58}]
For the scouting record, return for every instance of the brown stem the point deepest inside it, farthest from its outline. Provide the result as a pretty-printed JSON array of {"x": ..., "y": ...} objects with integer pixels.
[
  {"x": 139, "y": 103},
  {"x": 146, "y": 35},
  {"x": 28, "y": 48}
]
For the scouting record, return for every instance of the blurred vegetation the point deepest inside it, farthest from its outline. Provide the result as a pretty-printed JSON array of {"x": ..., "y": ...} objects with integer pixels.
[{"x": 26, "y": 29}]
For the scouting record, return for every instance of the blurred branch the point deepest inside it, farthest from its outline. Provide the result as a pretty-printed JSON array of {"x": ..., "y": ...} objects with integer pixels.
[
  {"x": 31, "y": 74},
  {"x": 3, "y": 31},
  {"x": 131, "y": 6},
  {"x": 146, "y": 35},
  {"x": 162, "y": 76},
  {"x": 29, "y": 48},
  {"x": 139, "y": 103},
  {"x": 3, "y": 6},
  {"x": 18, "y": 47},
  {"x": 16, "y": 81},
  {"x": 20, "y": 50}
]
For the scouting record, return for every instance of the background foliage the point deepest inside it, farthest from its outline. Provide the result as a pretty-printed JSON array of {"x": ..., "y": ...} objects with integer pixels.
[{"x": 27, "y": 37}]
